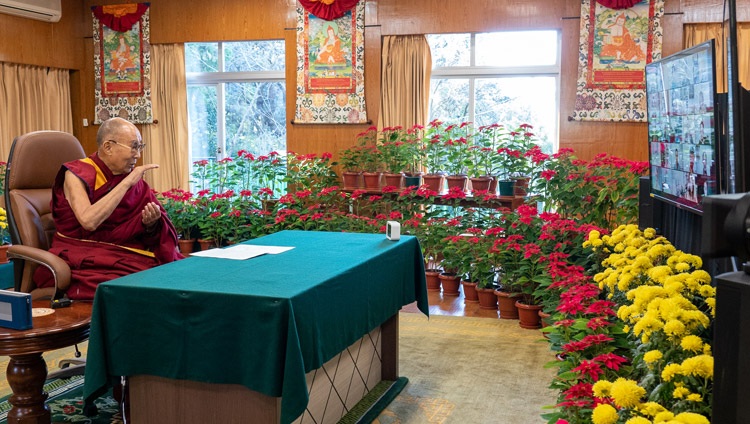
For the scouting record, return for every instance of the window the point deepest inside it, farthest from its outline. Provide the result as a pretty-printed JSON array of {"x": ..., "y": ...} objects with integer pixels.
[
  {"x": 236, "y": 98},
  {"x": 508, "y": 78}
]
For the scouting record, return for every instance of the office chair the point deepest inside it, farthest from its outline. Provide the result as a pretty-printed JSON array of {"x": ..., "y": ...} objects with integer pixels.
[{"x": 34, "y": 160}]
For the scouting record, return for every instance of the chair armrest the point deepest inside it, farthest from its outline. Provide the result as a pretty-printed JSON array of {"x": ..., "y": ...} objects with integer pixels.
[{"x": 59, "y": 268}]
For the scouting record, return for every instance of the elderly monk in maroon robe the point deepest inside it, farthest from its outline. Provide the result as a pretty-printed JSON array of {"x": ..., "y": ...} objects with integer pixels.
[{"x": 109, "y": 223}]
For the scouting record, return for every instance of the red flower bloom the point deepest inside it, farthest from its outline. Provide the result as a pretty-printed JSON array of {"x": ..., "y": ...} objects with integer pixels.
[
  {"x": 589, "y": 368},
  {"x": 579, "y": 390},
  {"x": 611, "y": 361}
]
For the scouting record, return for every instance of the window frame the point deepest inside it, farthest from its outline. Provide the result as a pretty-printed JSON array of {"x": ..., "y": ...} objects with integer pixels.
[
  {"x": 218, "y": 79},
  {"x": 474, "y": 72}
]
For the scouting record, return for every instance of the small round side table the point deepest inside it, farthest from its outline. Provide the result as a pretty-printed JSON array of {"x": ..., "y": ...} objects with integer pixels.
[{"x": 27, "y": 370}]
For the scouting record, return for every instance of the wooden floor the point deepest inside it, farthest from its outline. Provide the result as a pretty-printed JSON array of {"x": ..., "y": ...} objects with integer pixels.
[{"x": 452, "y": 305}]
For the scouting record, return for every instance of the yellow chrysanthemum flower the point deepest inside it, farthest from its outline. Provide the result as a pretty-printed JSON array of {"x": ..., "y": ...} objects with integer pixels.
[
  {"x": 670, "y": 371},
  {"x": 649, "y": 233},
  {"x": 706, "y": 290},
  {"x": 604, "y": 414},
  {"x": 700, "y": 366},
  {"x": 659, "y": 273},
  {"x": 638, "y": 420},
  {"x": 691, "y": 418},
  {"x": 707, "y": 349},
  {"x": 651, "y": 409},
  {"x": 652, "y": 356},
  {"x": 602, "y": 388},
  {"x": 691, "y": 343},
  {"x": 623, "y": 284},
  {"x": 694, "y": 397},
  {"x": 680, "y": 392},
  {"x": 711, "y": 302},
  {"x": 663, "y": 417},
  {"x": 674, "y": 328},
  {"x": 626, "y": 393},
  {"x": 702, "y": 276}
]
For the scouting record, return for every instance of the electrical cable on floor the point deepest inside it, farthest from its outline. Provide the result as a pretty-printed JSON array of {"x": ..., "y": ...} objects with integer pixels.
[{"x": 123, "y": 383}]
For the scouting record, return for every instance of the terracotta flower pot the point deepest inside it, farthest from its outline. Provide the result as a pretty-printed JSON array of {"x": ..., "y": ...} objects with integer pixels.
[
  {"x": 451, "y": 283},
  {"x": 487, "y": 298},
  {"x": 351, "y": 179},
  {"x": 432, "y": 278},
  {"x": 206, "y": 244},
  {"x": 372, "y": 180},
  {"x": 507, "y": 305},
  {"x": 528, "y": 315},
  {"x": 186, "y": 246},
  {"x": 521, "y": 186},
  {"x": 470, "y": 292},
  {"x": 4, "y": 254},
  {"x": 394, "y": 180},
  {"x": 457, "y": 181},
  {"x": 433, "y": 182},
  {"x": 480, "y": 184}
]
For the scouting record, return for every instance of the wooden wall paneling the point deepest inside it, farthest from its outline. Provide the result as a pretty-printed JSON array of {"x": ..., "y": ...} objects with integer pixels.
[
  {"x": 30, "y": 42},
  {"x": 439, "y": 16},
  {"x": 218, "y": 20},
  {"x": 180, "y": 21}
]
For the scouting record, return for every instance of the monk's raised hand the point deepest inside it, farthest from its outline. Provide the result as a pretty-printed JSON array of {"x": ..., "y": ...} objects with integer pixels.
[{"x": 138, "y": 172}]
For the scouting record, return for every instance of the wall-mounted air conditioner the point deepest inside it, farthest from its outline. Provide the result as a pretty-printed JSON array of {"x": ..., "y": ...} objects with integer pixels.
[{"x": 42, "y": 10}]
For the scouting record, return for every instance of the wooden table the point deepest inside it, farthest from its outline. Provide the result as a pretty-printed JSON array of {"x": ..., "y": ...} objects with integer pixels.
[
  {"x": 27, "y": 370},
  {"x": 264, "y": 323}
]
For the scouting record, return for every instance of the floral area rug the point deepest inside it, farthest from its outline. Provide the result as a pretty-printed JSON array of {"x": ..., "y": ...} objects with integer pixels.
[{"x": 66, "y": 404}]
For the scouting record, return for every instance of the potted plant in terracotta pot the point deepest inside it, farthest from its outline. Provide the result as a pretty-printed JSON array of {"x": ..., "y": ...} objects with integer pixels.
[
  {"x": 414, "y": 156},
  {"x": 4, "y": 237},
  {"x": 456, "y": 143},
  {"x": 351, "y": 163},
  {"x": 434, "y": 155},
  {"x": 482, "y": 169},
  {"x": 530, "y": 276},
  {"x": 433, "y": 233},
  {"x": 464, "y": 258},
  {"x": 182, "y": 211},
  {"x": 393, "y": 155},
  {"x": 310, "y": 171}
]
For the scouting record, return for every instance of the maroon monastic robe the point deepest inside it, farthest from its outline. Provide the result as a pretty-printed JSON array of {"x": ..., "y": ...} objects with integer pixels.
[{"x": 119, "y": 246}]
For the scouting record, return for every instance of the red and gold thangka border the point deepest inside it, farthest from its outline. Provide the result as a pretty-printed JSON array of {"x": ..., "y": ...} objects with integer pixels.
[
  {"x": 122, "y": 62},
  {"x": 328, "y": 9},
  {"x": 615, "y": 46}
]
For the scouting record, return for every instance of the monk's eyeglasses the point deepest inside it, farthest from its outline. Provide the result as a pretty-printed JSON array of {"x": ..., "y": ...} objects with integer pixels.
[{"x": 136, "y": 147}]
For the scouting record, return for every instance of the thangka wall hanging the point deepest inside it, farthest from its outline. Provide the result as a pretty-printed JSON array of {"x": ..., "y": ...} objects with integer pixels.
[
  {"x": 615, "y": 46},
  {"x": 330, "y": 65},
  {"x": 122, "y": 63}
]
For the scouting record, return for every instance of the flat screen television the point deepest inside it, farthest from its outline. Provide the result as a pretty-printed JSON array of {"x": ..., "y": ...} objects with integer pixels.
[{"x": 684, "y": 126}]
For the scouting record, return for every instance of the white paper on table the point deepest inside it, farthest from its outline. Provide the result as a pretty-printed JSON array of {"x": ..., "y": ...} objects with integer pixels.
[{"x": 241, "y": 251}]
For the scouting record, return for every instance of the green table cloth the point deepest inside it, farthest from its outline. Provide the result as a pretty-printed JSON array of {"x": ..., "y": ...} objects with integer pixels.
[{"x": 262, "y": 323}]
